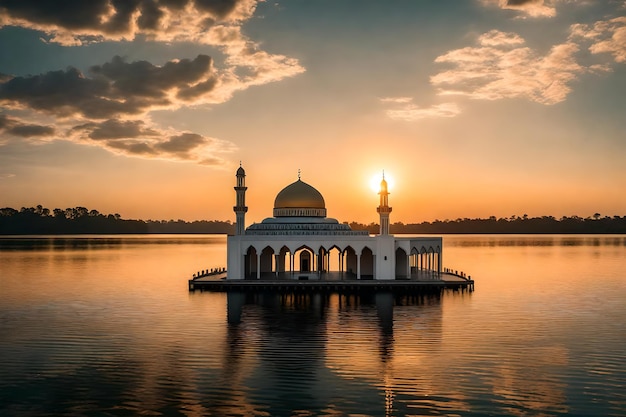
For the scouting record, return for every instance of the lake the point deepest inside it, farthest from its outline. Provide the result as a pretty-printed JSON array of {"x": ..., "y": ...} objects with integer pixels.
[{"x": 105, "y": 326}]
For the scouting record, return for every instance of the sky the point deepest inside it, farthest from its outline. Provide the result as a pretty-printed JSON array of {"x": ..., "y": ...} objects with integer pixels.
[{"x": 473, "y": 108}]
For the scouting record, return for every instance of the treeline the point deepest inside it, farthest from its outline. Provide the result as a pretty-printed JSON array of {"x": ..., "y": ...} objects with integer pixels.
[
  {"x": 80, "y": 220},
  {"x": 513, "y": 225}
]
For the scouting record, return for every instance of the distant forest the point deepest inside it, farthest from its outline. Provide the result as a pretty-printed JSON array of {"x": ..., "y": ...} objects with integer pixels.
[{"x": 80, "y": 220}]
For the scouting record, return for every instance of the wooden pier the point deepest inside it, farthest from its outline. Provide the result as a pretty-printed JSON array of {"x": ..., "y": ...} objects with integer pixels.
[{"x": 333, "y": 283}]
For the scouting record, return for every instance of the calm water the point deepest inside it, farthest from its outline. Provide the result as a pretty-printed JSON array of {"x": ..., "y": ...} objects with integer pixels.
[{"x": 101, "y": 326}]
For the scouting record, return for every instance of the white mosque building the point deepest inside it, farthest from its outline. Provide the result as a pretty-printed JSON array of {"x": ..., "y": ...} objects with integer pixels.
[{"x": 300, "y": 242}]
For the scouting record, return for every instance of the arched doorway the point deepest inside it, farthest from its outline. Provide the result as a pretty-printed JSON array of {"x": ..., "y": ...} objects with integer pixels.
[
  {"x": 402, "y": 264},
  {"x": 305, "y": 261},
  {"x": 267, "y": 255},
  {"x": 250, "y": 267},
  {"x": 367, "y": 264},
  {"x": 350, "y": 260}
]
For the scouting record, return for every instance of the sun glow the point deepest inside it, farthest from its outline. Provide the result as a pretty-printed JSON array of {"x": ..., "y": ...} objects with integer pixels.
[{"x": 377, "y": 178}]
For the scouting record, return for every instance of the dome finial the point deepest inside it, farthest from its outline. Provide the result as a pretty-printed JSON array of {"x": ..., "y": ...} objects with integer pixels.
[
  {"x": 299, "y": 174},
  {"x": 383, "y": 174}
]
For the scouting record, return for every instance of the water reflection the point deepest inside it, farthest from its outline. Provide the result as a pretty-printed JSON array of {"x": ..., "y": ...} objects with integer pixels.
[
  {"x": 533, "y": 240},
  {"x": 314, "y": 352},
  {"x": 110, "y": 329},
  {"x": 95, "y": 242}
]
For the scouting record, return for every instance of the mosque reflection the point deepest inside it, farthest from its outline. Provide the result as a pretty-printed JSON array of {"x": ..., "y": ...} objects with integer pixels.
[{"x": 323, "y": 353}]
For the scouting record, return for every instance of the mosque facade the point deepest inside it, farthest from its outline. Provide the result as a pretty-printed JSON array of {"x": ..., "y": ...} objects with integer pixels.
[{"x": 301, "y": 242}]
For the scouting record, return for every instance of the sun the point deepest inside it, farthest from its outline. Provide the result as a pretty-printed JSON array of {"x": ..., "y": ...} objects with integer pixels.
[{"x": 376, "y": 178}]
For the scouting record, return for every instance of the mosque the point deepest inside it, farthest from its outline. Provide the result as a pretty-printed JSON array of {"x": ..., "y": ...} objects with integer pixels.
[{"x": 299, "y": 242}]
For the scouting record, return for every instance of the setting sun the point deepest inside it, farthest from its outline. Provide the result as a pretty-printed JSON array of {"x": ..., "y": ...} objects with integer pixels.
[{"x": 376, "y": 179}]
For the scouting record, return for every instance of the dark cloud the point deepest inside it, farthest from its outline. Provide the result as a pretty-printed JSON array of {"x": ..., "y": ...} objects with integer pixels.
[
  {"x": 70, "y": 14},
  {"x": 132, "y": 148},
  {"x": 77, "y": 21},
  {"x": 151, "y": 16},
  {"x": 15, "y": 127},
  {"x": 116, "y": 129},
  {"x": 4, "y": 121},
  {"x": 29, "y": 131},
  {"x": 5, "y": 77},
  {"x": 139, "y": 138},
  {"x": 532, "y": 8},
  {"x": 219, "y": 8},
  {"x": 115, "y": 88},
  {"x": 183, "y": 144},
  {"x": 62, "y": 93},
  {"x": 141, "y": 78},
  {"x": 522, "y": 2}
]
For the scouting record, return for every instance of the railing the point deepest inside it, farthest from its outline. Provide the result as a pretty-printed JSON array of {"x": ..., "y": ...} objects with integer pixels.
[
  {"x": 209, "y": 272},
  {"x": 456, "y": 273}
]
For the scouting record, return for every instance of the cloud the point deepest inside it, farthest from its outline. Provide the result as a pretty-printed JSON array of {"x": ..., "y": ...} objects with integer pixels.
[
  {"x": 105, "y": 105},
  {"x": 398, "y": 100},
  {"x": 108, "y": 106},
  {"x": 116, "y": 129},
  {"x": 78, "y": 22},
  {"x": 210, "y": 22},
  {"x": 12, "y": 126},
  {"x": 138, "y": 138},
  {"x": 6, "y": 176},
  {"x": 531, "y": 8},
  {"x": 114, "y": 88},
  {"x": 606, "y": 36},
  {"x": 501, "y": 66},
  {"x": 407, "y": 111}
]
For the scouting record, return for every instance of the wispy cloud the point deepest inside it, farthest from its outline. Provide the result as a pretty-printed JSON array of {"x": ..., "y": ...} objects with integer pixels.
[
  {"x": 501, "y": 66},
  {"x": 404, "y": 109},
  {"x": 606, "y": 36}
]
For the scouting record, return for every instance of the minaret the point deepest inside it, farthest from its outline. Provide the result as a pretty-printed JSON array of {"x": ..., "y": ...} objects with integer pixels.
[
  {"x": 240, "y": 209},
  {"x": 384, "y": 209}
]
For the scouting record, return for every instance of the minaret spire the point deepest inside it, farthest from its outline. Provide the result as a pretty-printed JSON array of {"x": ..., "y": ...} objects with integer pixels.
[
  {"x": 383, "y": 208},
  {"x": 240, "y": 209}
]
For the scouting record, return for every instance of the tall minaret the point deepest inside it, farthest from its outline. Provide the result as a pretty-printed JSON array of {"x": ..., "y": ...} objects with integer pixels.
[
  {"x": 384, "y": 209},
  {"x": 240, "y": 209}
]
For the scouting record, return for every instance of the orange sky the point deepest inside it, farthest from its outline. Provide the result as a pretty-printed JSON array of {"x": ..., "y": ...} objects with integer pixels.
[{"x": 475, "y": 110}]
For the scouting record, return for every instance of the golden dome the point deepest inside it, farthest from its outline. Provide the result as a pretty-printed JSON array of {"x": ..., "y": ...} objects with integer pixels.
[{"x": 299, "y": 199}]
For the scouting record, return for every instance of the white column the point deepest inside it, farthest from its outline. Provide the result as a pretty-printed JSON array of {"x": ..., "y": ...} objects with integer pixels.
[
  {"x": 258, "y": 266},
  {"x": 358, "y": 266}
]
